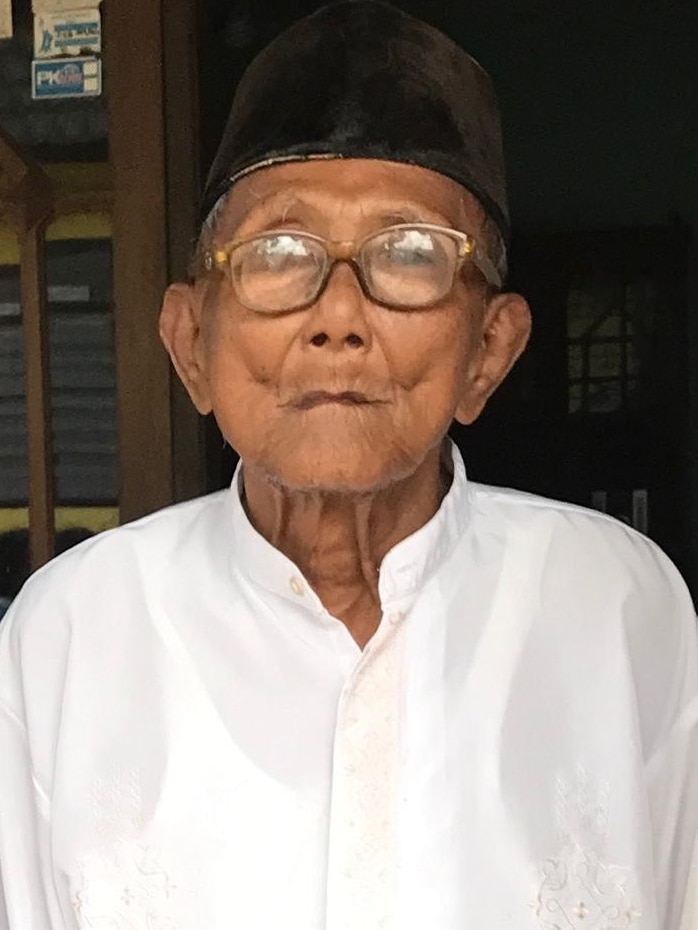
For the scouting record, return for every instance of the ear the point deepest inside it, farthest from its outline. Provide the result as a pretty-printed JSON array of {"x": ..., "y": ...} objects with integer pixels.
[
  {"x": 505, "y": 328},
  {"x": 180, "y": 331}
]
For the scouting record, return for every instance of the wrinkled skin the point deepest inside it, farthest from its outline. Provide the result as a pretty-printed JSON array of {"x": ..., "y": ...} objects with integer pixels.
[{"x": 338, "y": 410}]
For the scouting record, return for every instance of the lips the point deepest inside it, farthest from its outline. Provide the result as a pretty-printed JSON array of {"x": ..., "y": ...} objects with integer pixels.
[{"x": 319, "y": 398}]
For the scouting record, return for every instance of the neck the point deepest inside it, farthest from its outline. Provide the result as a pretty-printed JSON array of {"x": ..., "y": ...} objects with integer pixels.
[{"x": 339, "y": 540}]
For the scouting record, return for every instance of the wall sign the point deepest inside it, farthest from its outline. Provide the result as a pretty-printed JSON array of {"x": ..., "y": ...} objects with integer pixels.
[
  {"x": 66, "y": 77},
  {"x": 67, "y": 34},
  {"x": 5, "y": 19},
  {"x": 62, "y": 6}
]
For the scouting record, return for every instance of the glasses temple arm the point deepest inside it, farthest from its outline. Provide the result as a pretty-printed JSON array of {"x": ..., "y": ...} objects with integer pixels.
[{"x": 481, "y": 260}]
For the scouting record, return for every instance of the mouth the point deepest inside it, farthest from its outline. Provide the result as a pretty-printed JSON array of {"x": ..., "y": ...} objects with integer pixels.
[{"x": 320, "y": 398}]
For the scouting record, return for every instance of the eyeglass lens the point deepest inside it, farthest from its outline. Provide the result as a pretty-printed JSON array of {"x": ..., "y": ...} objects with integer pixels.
[{"x": 409, "y": 267}]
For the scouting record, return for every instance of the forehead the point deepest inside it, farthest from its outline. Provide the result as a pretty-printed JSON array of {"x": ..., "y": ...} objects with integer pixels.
[{"x": 352, "y": 190}]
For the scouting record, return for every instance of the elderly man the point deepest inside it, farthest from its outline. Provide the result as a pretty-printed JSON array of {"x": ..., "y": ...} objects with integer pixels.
[{"x": 355, "y": 691}]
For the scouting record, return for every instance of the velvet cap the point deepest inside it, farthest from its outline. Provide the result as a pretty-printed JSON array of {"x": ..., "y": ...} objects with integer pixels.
[{"x": 362, "y": 79}]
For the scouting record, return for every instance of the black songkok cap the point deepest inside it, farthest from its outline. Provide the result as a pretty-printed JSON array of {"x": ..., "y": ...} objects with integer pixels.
[{"x": 362, "y": 79}]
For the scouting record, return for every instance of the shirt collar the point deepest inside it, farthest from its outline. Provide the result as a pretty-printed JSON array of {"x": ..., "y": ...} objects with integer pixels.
[{"x": 404, "y": 569}]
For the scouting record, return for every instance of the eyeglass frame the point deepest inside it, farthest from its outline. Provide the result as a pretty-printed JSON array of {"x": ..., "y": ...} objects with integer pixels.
[{"x": 348, "y": 251}]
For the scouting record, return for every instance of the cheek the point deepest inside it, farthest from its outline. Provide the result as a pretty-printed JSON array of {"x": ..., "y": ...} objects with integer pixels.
[
  {"x": 245, "y": 350},
  {"x": 430, "y": 362},
  {"x": 244, "y": 362}
]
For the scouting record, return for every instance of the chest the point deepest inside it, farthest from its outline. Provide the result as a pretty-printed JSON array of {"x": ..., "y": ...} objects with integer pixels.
[{"x": 451, "y": 779}]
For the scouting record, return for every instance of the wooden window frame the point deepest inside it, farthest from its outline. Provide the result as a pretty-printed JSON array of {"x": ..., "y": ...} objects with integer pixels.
[{"x": 27, "y": 202}]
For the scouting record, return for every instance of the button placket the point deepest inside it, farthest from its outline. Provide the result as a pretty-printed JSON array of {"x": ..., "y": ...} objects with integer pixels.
[{"x": 361, "y": 876}]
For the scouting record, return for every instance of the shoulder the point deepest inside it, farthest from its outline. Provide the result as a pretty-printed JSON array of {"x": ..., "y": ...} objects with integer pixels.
[
  {"x": 592, "y": 569},
  {"x": 77, "y": 617},
  {"x": 154, "y": 537},
  {"x": 115, "y": 566},
  {"x": 577, "y": 538},
  {"x": 599, "y": 587}
]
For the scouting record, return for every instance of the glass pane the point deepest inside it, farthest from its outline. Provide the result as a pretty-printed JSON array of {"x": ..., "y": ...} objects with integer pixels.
[
  {"x": 582, "y": 314},
  {"x": 574, "y": 397},
  {"x": 632, "y": 360},
  {"x": 605, "y": 360},
  {"x": 83, "y": 377},
  {"x": 610, "y": 326},
  {"x": 604, "y": 396},
  {"x": 13, "y": 436},
  {"x": 574, "y": 361}
]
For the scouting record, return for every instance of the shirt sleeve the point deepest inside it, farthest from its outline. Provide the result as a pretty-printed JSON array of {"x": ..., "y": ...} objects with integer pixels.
[
  {"x": 673, "y": 793},
  {"x": 672, "y": 783},
  {"x": 28, "y": 894},
  {"x": 25, "y": 882},
  {"x": 689, "y": 919}
]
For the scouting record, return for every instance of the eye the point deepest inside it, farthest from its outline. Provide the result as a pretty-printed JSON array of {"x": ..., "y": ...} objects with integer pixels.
[
  {"x": 408, "y": 248},
  {"x": 278, "y": 251}
]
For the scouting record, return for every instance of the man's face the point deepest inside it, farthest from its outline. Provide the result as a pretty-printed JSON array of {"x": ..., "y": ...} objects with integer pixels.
[{"x": 345, "y": 394}]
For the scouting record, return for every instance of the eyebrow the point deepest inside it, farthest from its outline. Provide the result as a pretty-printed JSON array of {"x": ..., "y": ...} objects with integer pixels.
[
  {"x": 283, "y": 202},
  {"x": 411, "y": 216},
  {"x": 290, "y": 210}
]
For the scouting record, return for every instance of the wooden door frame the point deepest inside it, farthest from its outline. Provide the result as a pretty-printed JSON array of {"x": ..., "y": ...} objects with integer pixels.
[{"x": 153, "y": 136}]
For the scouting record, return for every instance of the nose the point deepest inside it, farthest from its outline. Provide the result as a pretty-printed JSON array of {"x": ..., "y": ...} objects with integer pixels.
[{"x": 339, "y": 319}]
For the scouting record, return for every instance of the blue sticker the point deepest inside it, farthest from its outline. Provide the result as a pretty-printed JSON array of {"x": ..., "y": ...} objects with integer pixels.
[{"x": 66, "y": 77}]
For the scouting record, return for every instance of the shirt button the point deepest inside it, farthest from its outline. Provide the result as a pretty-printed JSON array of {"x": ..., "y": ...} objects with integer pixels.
[
  {"x": 297, "y": 586},
  {"x": 396, "y": 618}
]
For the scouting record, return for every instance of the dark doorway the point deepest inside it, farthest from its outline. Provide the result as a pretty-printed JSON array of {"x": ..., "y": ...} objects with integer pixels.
[{"x": 596, "y": 411}]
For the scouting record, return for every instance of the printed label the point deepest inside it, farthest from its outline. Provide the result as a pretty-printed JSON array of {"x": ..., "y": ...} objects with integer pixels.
[
  {"x": 66, "y": 77},
  {"x": 67, "y": 34}
]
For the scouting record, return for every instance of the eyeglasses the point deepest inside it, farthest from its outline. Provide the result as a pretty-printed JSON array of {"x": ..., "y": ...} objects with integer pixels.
[{"x": 403, "y": 267}]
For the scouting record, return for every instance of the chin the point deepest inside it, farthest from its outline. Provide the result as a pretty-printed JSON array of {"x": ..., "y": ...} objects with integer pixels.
[{"x": 332, "y": 474}]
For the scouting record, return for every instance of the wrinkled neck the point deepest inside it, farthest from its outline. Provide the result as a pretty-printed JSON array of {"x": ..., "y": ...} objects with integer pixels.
[{"x": 338, "y": 540}]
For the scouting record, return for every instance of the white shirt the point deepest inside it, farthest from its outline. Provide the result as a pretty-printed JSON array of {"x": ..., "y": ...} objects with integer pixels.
[{"x": 189, "y": 741}]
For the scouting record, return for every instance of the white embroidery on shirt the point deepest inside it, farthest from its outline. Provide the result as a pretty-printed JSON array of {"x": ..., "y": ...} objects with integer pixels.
[
  {"x": 123, "y": 884},
  {"x": 117, "y": 806},
  {"x": 578, "y": 889},
  {"x": 124, "y": 887}
]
